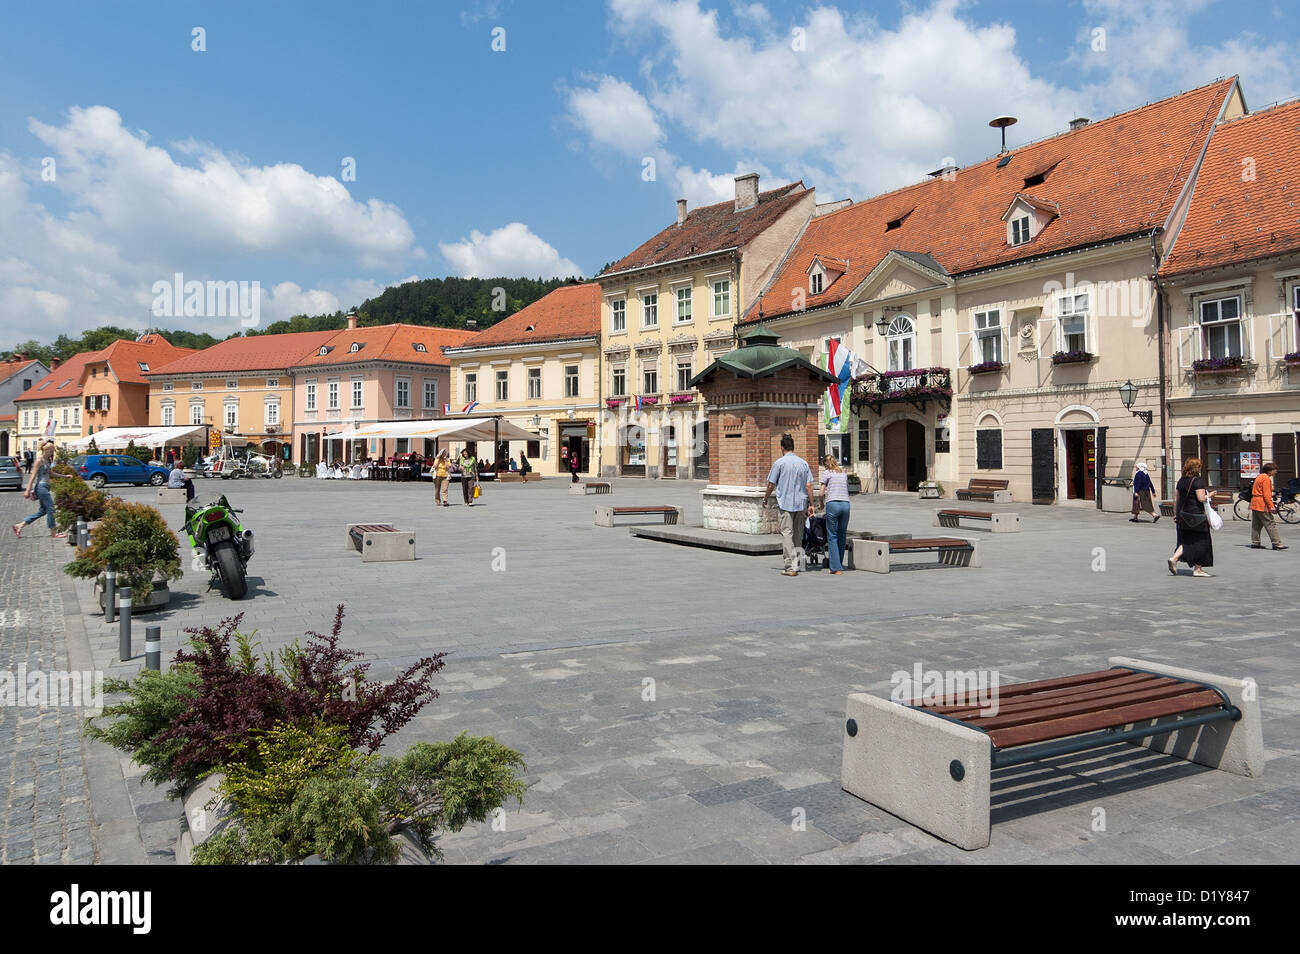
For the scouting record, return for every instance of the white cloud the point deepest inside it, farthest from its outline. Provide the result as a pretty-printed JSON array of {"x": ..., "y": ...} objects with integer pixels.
[
  {"x": 510, "y": 250},
  {"x": 616, "y": 115}
]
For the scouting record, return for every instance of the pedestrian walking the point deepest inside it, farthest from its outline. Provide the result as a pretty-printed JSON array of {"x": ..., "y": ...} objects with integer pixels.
[
  {"x": 1143, "y": 494},
  {"x": 524, "y": 466},
  {"x": 28, "y": 459},
  {"x": 575, "y": 461},
  {"x": 440, "y": 467},
  {"x": 792, "y": 480},
  {"x": 468, "y": 476},
  {"x": 38, "y": 488},
  {"x": 1263, "y": 515},
  {"x": 1195, "y": 548},
  {"x": 836, "y": 483}
]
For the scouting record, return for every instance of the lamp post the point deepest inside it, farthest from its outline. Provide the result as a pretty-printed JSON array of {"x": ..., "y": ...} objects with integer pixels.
[{"x": 1128, "y": 393}]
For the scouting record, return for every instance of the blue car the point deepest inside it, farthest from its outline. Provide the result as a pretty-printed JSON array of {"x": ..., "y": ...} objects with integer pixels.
[{"x": 101, "y": 469}]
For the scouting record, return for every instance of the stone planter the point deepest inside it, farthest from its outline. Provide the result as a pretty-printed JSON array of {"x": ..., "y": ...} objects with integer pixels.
[
  {"x": 855, "y": 487},
  {"x": 929, "y": 493},
  {"x": 739, "y": 509},
  {"x": 158, "y": 598}
]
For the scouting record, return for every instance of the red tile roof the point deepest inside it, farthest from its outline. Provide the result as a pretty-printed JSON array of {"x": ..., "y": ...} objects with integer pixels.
[
  {"x": 571, "y": 311},
  {"x": 247, "y": 354},
  {"x": 124, "y": 356},
  {"x": 1232, "y": 220},
  {"x": 712, "y": 228},
  {"x": 1112, "y": 178},
  {"x": 10, "y": 368},
  {"x": 395, "y": 342},
  {"x": 63, "y": 382}
]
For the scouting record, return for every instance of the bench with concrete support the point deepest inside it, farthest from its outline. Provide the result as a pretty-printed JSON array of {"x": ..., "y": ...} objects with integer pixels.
[
  {"x": 605, "y": 516},
  {"x": 172, "y": 495},
  {"x": 585, "y": 487},
  {"x": 931, "y": 762},
  {"x": 998, "y": 522},
  {"x": 514, "y": 477},
  {"x": 381, "y": 542},
  {"x": 876, "y": 555},
  {"x": 985, "y": 488}
]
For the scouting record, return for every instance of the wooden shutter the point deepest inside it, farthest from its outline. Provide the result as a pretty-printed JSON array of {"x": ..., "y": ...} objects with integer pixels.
[
  {"x": 988, "y": 449},
  {"x": 1284, "y": 457},
  {"x": 1043, "y": 464},
  {"x": 1100, "y": 451},
  {"x": 1189, "y": 447}
]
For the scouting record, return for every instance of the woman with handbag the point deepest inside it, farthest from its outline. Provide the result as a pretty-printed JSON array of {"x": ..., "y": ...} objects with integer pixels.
[{"x": 1195, "y": 547}]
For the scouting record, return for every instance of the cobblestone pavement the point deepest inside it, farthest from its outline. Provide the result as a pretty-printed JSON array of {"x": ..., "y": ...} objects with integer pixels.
[{"x": 554, "y": 625}]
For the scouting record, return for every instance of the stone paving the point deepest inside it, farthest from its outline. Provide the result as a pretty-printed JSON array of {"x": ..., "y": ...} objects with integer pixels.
[{"x": 731, "y": 754}]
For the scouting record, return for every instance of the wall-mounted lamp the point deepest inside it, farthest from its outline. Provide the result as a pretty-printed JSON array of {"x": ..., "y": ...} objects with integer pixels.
[{"x": 1128, "y": 393}]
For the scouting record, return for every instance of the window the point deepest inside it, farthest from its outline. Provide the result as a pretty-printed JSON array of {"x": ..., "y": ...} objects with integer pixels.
[
  {"x": 684, "y": 302},
  {"x": 1020, "y": 230},
  {"x": 1073, "y": 322},
  {"x": 403, "y": 393},
  {"x": 357, "y": 397},
  {"x": 231, "y": 384},
  {"x": 332, "y": 396},
  {"x": 471, "y": 388},
  {"x": 503, "y": 385},
  {"x": 26, "y": 422},
  {"x": 1221, "y": 327},
  {"x": 430, "y": 395},
  {"x": 1223, "y": 459},
  {"x": 650, "y": 310},
  {"x": 272, "y": 382},
  {"x": 988, "y": 336},
  {"x": 901, "y": 340},
  {"x": 356, "y": 346},
  {"x": 722, "y": 298},
  {"x": 196, "y": 413},
  {"x": 684, "y": 374},
  {"x": 272, "y": 413},
  {"x": 311, "y": 396},
  {"x": 196, "y": 385},
  {"x": 64, "y": 422},
  {"x": 168, "y": 416},
  {"x": 534, "y": 383},
  {"x": 168, "y": 388},
  {"x": 988, "y": 448},
  {"x": 650, "y": 378},
  {"x": 618, "y": 315},
  {"x": 618, "y": 384},
  {"x": 570, "y": 380},
  {"x": 232, "y": 415},
  {"x": 815, "y": 283},
  {"x": 864, "y": 441},
  {"x": 144, "y": 365},
  {"x": 534, "y": 450}
]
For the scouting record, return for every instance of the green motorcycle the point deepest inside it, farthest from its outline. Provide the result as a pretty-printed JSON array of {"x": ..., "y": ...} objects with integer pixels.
[{"x": 221, "y": 543}]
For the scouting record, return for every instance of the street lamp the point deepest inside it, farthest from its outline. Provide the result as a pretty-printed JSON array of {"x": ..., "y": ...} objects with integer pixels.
[
  {"x": 882, "y": 324},
  {"x": 1128, "y": 393},
  {"x": 537, "y": 420}
]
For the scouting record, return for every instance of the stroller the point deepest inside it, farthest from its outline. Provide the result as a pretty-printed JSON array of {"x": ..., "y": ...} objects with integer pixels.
[{"x": 814, "y": 540}]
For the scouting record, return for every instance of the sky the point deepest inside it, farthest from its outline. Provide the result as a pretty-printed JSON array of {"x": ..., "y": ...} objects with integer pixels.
[{"x": 321, "y": 151}]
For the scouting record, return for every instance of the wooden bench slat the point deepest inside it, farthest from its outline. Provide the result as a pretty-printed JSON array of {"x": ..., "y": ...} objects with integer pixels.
[
  {"x": 976, "y": 514},
  {"x": 1041, "y": 685},
  {"x": 1109, "y": 718},
  {"x": 898, "y": 546},
  {"x": 643, "y": 509},
  {"x": 1069, "y": 693},
  {"x": 1056, "y": 709}
]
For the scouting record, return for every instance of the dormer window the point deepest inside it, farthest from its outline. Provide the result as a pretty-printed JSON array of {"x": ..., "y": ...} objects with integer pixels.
[
  {"x": 893, "y": 224},
  {"x": 1020, "y": 230},
  {"x": 1034, "y": 180},
  {"x": 356, "y": 346},
  {"x": 815, "y": 283},
  {"x": 325, "y": 349},
  {"x": 419, "y": 347},
  {"x": 144, "y": 365}
]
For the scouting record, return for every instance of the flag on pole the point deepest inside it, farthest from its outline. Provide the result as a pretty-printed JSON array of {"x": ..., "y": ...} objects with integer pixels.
[
  {"x": 469, "y": 407},
  {"x": 638, "y": 403},
  {"x": 845, "y": 366},
  {"x": 446, "y": 409}
]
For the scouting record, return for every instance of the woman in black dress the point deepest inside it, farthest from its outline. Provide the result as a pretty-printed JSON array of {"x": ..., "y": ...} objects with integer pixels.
[{"x": 1195, "y": 548}]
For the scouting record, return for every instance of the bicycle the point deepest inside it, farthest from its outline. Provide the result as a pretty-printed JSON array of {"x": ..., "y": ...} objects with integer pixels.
[{"x": 1284, "y": 503}]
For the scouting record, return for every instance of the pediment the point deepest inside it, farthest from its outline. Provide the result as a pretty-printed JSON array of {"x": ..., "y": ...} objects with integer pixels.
[{"x": 899, "y": 274}]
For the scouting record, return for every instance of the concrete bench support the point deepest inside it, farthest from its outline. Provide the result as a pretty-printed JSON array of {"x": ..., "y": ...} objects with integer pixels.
[
  {"x": 172, "y": 495},
  {"x": 1236, "y": 747},
  {"x": 605, "y": 516},
  {"x": 874, "y": 555},
  {"x": 590, "y": 487},
  {"x": 384, "y": 545},
  {"x": 927, "y": 771},
  {"x": 997, "y": 522}
]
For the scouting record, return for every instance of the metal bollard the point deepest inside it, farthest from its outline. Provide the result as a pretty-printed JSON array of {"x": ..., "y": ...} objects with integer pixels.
[
  {"x": 110, "y": 593},
  {"x": 153, "y": 647},
  {"x": 124, "y": 627},
  {"x": 82, "y": 534}
]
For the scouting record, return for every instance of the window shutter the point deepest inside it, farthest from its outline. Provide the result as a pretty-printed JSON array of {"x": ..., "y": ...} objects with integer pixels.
[
  {"x": 1189, "y": 447},
  {"x": 1284, "y": 457},
  {"x": 105, "y": 402},
  {"x": 1043, "y": 464},
  {"x": 988, "y": 449}
]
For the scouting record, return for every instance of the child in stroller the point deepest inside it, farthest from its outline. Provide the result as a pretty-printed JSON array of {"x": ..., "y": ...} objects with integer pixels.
[{"x": 814, "y": 539}]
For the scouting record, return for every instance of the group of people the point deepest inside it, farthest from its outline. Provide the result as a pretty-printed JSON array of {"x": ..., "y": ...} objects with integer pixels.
[
  {"x": 1194, "y": 545},
  {"x": 791, "y": 480}
]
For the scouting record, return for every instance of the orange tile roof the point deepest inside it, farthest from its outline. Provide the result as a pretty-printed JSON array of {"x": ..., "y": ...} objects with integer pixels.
[
  {"x": 9, "y": 368},
  {"x": 1112, "y": 178},
  {"x": 571, "y": 311},
  {"x": 124, "y": 356},
  {"x": 246, "y": 354},
  {"x": 711, "y": 228},
  {"x": 63, "y": 382},
  {"x": 395, "y": 342},
  {"x": 1232, "y": 220}
]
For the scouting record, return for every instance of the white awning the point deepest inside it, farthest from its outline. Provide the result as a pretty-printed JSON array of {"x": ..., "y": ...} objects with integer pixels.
[
  {"x": 459, "y": 429},
  {"x": 115, "y": 438}
]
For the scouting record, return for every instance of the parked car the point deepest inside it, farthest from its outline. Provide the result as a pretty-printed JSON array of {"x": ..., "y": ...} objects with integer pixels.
[
  {"x": 11, "y": 473},
  {"x": 101, "y": 469}
]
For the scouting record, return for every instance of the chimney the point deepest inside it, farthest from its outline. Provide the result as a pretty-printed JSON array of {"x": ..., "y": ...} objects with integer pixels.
[
  {"x": 54, "y": 364},
  {"x": 20, "y": 355},
  {"x": 1079, "y": 122},
  {"x": 681, "y": 211},
  {"x": 352, "y": 321},
  {"x": 746, "y": 191}
]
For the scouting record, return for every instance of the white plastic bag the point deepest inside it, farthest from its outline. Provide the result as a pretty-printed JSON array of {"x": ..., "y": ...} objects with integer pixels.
[{"x": 1212, "y": 515}]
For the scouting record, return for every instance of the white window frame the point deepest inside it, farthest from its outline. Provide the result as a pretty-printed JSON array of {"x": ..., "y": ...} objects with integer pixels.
[
  {"x": 64, "y": 417},
  {"x": 687, "y": 299},
  {"x": 646, "y": 371},
  {"x": 721, "y": 296},
  {"x": 617, "y": 315},
  {"x": 616, "y": 372},
  {"x": 1019, "y": 229},
  {"x": 501, "y": 385},
  {"x": 196, "y": 415},
  {"x": 230, "y": 419},
  {"x": 358, "y": 393},
  {"x": 572, "y": 382},
  {"x": 402, "y": 393},
  {"x": 271, "y": 413},
  {"x": 272, "y": 382},
  {"x": 896, "y": 335},
  {"x": 232, "y": 384},
  {"x": 1068, "y": 309},
  {"x": 169, "y": 415},
  {"x": 471, "y": 387},
  {"x": 1226, "y": 324},
  {"x": 331, "y": 395},
  {"x": 196, "y": 385},
  {"x": 689, "y": 365},
  {"x": 430, "y": 394},
  {"x": 816, "y": 282},
  {"x": 168, "y": 388},
  {"x": 985, "y": 330},
  {"x": 310, "y": 402},
  {"x": 534, "y": 384},
  {"x": 650, "y": 310}
]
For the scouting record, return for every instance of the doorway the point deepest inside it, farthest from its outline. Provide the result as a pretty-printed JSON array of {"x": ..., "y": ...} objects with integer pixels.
[
  {"x": 573, "y": 442},
  {"x": 904, "y": 456},
  {"x": 670, "y": 450},
  {"x": 1080, "y": 464}
]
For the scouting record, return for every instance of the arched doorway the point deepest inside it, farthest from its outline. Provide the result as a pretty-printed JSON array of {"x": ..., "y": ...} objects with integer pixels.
[{"x": 903, "y": 462}]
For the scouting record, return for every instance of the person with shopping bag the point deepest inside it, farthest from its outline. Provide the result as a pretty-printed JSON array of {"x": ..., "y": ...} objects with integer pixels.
[
  {"x": 468, "y": 476},
  {"x": 1192, "y": 521}
]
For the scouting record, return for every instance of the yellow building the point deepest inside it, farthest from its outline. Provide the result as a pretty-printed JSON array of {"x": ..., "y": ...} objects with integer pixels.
[
  {"x": 540, "y": 369},
  {"x": 669, "y": 309}
]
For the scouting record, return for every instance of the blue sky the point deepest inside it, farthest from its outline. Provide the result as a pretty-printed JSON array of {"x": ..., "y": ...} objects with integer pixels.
[{"x": 227, "y": 164}]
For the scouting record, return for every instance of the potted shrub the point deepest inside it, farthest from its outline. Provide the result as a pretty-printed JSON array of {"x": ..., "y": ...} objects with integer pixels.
[
  {"x": 855, "y": 484},
  {"x": 76, "y": 500},
  {"x": 929, "y": 490},
  {"x": 136, "y": 540}
]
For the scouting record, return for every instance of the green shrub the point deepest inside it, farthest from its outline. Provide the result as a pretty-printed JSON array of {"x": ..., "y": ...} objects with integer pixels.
[
  {"x": 142, "y": 454},
  {"x": 136, "y": 540},
  {"x": 189, "y": 456},
  {"x": 74, "y": 500}
]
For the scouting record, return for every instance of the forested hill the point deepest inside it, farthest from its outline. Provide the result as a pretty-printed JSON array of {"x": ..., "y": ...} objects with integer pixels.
[{"x": 441, "y": 302}]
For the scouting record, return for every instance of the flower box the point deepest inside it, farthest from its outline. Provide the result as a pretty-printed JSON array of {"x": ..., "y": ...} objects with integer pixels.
[
  {"x": 681, "y": 399},
  {"x": 1292, "y": 359},
  {"x": 613, "y": 403},
  {"x": 646, "y": 401},
  {"x": 1072, "y": 357},
  {"x": 987, "y": 367},
  {"x": 1217, "y": 365}
]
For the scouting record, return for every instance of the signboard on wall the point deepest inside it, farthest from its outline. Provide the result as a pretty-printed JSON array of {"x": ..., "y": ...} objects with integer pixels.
[{"x": 1250, "y": 464}]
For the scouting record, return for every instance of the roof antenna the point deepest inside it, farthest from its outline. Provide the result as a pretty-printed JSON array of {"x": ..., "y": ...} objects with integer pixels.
[{"x": 1002, "y": 122}]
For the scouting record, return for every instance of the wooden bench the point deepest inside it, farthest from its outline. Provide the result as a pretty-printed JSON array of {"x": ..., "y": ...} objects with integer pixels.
[
  {"x": 930, "y": 762},
  {"x": 982, "y": 488},
  {"x": 380, "y": 542},
  {"x": 514, "y": 477},
  {"x": 583, "y": 488},
  {"x": 605, "y": 515},
  {"x": 998, "y": 522},
  {"x": 875, "y": 555}
]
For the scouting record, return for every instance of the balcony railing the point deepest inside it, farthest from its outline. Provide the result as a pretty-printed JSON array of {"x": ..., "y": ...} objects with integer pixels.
[{"x": 916, "y": 386}]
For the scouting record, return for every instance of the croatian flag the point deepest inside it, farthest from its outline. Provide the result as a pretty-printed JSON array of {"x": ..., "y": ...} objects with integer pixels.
[
  {"x": 845, "y": 366},
  {"x": 638, "y": 403},
  {"x": 446, "y": 409},
  {"x": 469, "y": 407}
]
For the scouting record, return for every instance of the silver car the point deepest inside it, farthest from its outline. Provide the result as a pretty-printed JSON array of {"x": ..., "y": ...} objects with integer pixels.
[{"x": 11, "y": 474}]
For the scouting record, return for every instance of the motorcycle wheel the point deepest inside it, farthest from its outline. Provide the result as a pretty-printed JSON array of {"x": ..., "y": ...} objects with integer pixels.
[
  {"x": 231, "y": 571},
  {"x": 277, "y": 473}
]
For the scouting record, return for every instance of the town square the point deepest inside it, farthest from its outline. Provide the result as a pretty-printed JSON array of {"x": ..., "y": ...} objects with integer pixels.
[{"x": 754, "y": 457}]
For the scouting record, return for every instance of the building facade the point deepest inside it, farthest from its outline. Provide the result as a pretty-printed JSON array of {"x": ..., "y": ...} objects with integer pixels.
[
  {"x": 17, "y": 375},
  {"x": 540, "y": 369},
  {"x": 51, "y": 408},
  {"x": 114, "y": 390}
]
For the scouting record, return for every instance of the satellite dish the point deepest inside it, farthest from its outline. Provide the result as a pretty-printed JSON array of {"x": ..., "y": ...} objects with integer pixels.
[{"x": 1002, "y": 122}]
